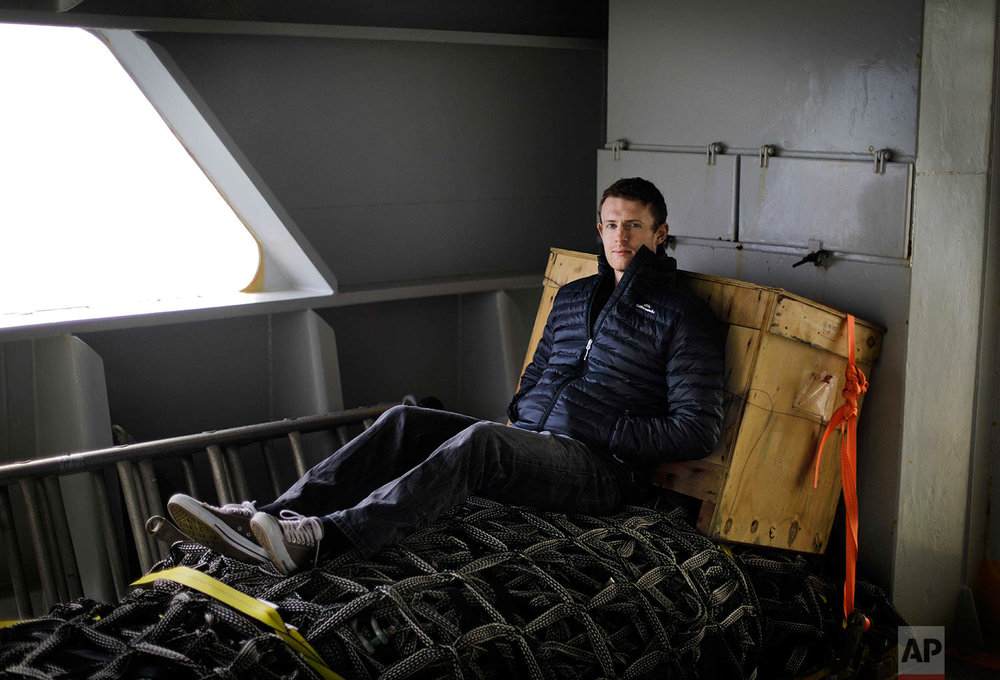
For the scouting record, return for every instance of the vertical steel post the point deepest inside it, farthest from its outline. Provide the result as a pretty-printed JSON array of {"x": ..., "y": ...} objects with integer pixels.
[
  {"x": 49, "y": 589},
  {"x": 298, "y": 456},
  {"x": 115, "y": 561},
  {"x": 48, "y": 526},
  {"x": 190, "y": 481},
  {"x": 64, "y": 539},
  {"x": 136, "y": 517},
  {"x": 21, "y": 595},
  {"x": 267, "y": 448},
  {"x": 144, "y": 508},
  {"x": 236, "y": 472},
  {"x": 147, "y": 476},
  {"x": 220, "y": 476}
]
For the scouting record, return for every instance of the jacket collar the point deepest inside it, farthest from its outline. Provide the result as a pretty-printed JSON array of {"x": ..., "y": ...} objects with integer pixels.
[{"x": 645, "y": 260}]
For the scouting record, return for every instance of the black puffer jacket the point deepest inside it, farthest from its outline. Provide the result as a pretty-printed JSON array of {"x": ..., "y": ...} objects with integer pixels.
[{"x": 641, "y": 381}]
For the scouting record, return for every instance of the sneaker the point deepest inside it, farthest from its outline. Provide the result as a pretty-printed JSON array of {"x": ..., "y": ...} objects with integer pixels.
[
  {"x": 225, "y": 529},
  {"x": 291, "y": 542}
]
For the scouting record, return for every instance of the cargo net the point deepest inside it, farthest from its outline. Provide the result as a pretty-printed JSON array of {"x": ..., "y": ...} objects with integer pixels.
[
  {"x": 801, "y": 600},
  {"x": 489, "y": 591}
]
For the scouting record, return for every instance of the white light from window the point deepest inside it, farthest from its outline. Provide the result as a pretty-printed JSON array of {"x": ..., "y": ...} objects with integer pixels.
[{"x": 99, "y": 201}]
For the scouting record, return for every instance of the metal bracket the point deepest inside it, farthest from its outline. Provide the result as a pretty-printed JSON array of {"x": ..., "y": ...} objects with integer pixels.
[
  {"x": 765, "y": 153},
  {"x": 820, "y": 258},
  {"x": 713, "y": 150},
  {"x": 617, "y": 147},
  {"x": 817, "y": 255},
  {"x": 882, "y": 156}
]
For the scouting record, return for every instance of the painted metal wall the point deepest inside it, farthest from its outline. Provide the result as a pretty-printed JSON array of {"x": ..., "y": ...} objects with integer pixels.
[
  {"x": 813, "y": 76},
  {"x": 987, "y": 432},
  {"x": 164, "y": 381},
  {"x": 409, "y": 162},
  {"x": 823, "y": 84},
  {"x": 53, "y": 400},
  {"x": 942, "y": 509},
  {"x": 466, "y": 350},
  {"x": 403, "y": 160}
]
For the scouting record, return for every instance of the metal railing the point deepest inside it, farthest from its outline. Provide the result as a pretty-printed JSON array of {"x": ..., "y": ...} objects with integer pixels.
[{"x": 44, "y": 507}]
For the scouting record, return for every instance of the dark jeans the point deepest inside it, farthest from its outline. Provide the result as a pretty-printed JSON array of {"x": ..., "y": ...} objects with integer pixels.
[{"x": 415, "y": 464}]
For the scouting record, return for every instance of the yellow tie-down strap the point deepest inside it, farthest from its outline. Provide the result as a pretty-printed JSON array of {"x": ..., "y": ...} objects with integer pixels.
[{"x": 251, "y": 606}]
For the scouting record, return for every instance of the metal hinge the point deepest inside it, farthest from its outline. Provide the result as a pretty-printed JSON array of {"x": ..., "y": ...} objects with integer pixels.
[
  {"x": 765, "y": 153},
  {"x": 714, "y": 149},
  {"x": 882, "y": 156},
  {"x": 617, "y": 147}
]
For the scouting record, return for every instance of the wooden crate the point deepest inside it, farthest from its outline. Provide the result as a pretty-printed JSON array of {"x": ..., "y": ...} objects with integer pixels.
[{"x": 756, "y": 487}]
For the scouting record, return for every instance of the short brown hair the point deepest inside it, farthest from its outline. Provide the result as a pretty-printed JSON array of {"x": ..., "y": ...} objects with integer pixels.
[{"x": 641, "y": 190}]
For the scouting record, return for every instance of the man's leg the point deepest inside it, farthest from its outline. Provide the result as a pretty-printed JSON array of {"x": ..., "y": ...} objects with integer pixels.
[
  {"x": 488, "y": 459},
  {"x": 400, "y": 439}
]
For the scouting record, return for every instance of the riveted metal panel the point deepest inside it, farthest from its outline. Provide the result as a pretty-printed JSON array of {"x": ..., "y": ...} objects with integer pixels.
[
  {"x": 816, "y": 76},
  {"x": 700, "y": 197},
  {"x": 843, "y": 204}
]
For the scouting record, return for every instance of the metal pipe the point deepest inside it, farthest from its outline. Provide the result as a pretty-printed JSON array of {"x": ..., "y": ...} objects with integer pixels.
[
  {"x": 108, "y": 528},
  {"x": 154, "y": 506},
  {"x": 145, "y": 512},
  {"x": 22, "y": 597},
  {"x": 790, "y": 251},
  {"x": 342, "y": 435},
  {"x": 220, "y": 476},
  {"x": 59, "y": 576},
  {"x": 239, "y": 478},
  {"x": 190, "y": 481},
  {"x": 64, "y": 539},
  {"x": 298, "y": 456},
  {"x": 94, "y": 460},
  {"x": 147, "y": 474},
  {"x": 48, "y": 525},
  {"x": 49, "y": 590},
  {"x": 136, "y": 519},
  {"x": 267, "y": 448},
  {"x": 863, "y": 156}
]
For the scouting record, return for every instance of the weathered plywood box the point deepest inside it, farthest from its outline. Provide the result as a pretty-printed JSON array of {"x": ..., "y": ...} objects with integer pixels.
[{"x": 785, "y": 361}]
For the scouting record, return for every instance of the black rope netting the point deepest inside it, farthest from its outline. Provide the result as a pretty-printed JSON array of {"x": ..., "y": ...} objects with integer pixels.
[
  {"x": 489, "y": 591},
  {"x": 801, "y": 603}
]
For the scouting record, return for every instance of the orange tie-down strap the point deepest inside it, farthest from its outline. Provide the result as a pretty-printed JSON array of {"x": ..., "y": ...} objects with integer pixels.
[{"x": 846, "y": 418}]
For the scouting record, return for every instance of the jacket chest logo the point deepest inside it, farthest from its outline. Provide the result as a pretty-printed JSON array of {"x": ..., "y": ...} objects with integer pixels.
[{"x": 646, "y": 308}]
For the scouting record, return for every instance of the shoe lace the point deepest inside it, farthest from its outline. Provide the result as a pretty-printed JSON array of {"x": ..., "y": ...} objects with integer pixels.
[
  {"x": 300, "y": 529},
  {"x": 248, "y": 508}
]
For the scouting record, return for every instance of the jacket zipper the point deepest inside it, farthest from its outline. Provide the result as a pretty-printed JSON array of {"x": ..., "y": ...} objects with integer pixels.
[
  {"x": 615, "y": 294},
  {"x": 555, "y": 398}
]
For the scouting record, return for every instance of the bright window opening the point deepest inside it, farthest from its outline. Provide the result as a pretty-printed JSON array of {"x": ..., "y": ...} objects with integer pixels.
[{"x": 100, "y": 204}]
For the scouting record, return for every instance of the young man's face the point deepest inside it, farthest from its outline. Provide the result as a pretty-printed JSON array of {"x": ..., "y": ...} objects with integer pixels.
[{"x": 625, "y": 226}]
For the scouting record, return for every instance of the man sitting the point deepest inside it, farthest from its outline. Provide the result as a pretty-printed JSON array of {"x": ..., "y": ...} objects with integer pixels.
[{"x": 628, "y": 374}]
